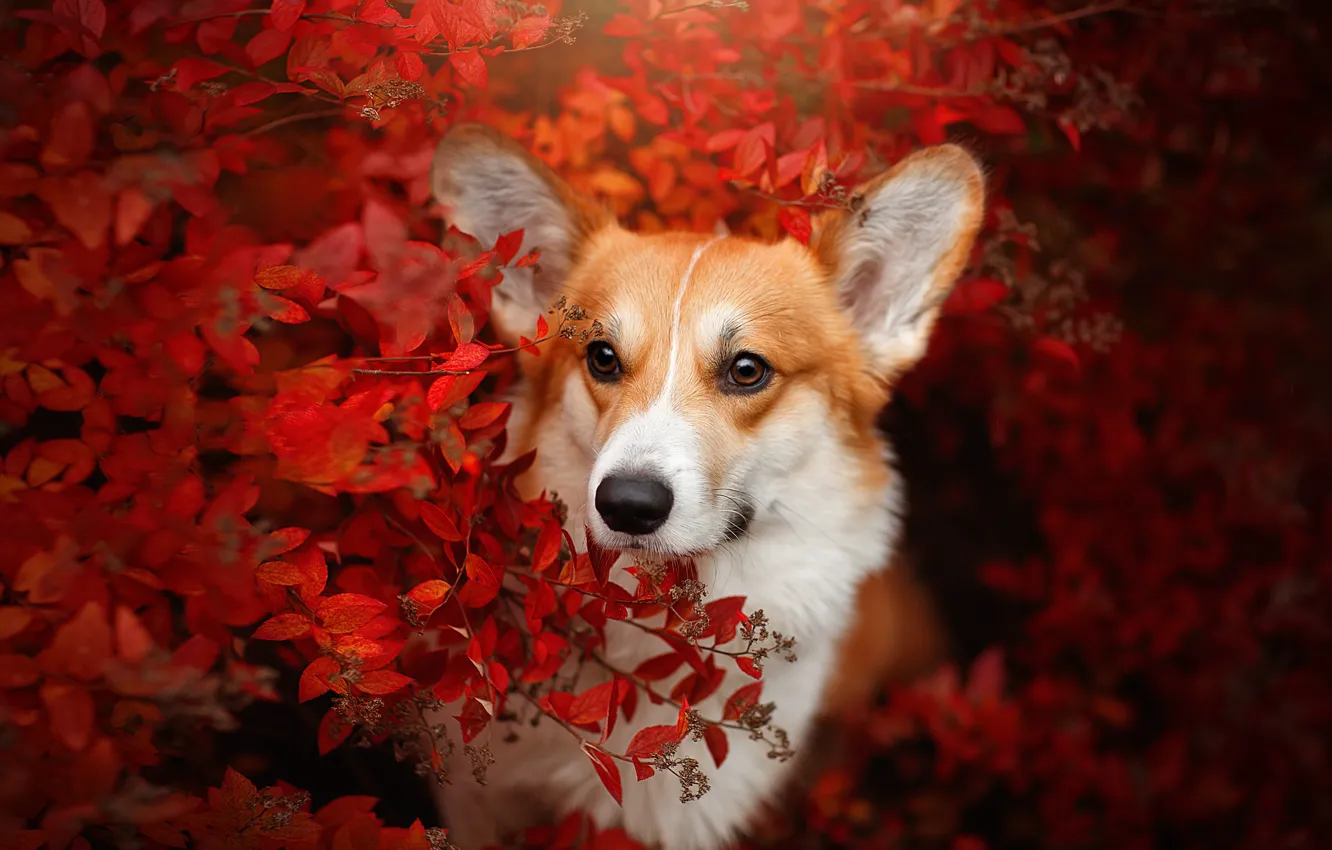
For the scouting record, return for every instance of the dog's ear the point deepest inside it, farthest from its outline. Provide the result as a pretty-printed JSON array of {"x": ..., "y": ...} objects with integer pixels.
[
  {"x": 895, "y": 254},
  {"x": 489, "y": 185}
]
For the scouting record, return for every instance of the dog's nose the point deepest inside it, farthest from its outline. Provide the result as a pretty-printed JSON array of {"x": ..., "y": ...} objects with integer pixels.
[{"x": 634, "y": 505}]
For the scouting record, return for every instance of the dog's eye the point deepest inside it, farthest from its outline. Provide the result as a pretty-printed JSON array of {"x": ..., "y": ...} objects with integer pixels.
[
  {"x": 603, "y": 362},
  {"x": 748, "y": 372}
]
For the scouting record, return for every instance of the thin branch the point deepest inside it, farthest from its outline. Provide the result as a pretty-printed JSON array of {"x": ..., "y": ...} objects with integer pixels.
[{"x": 293, "y": 119}]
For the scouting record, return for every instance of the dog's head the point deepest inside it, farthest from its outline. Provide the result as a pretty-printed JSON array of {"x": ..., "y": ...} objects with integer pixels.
[{"x": 724, "y": 361}]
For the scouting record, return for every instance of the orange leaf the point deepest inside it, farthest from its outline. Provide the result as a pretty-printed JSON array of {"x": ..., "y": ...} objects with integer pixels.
[
  {"x": 429, "y": 594},
  {"x": 283, "y": 627},
  {"x": 346, "y": 612},
  {"x": 381, "y": 682}
]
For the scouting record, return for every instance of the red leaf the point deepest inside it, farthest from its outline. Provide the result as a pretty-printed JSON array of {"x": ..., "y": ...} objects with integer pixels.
[
  {"x": 643, "y": 771},
  {"x": 460, "y": 321},
  {"x": 715, "y": 737},
  {"x": 312, "y": 682},
  {"x": 591, "y": 706},
  {"x": 332, "y": 731},
  {"x": 481, "y": 415},
  {"x": 742, "y": 700},
  {"x": 747, "y": 664},
  {"x": 71, "y": 711},
  {"x": 607, "y": 770},
  {"x": 133, "y": 641},
  {"x": 542, "y": 328},
  {"x": 81, "y": 203},
  {"x": 440, "y": 523},
  {"x": 191, "y": 71},
  {"x": 285, "y": 539},
  {"x": 602, "y": 559},
  {"x": 795, "y": 220},
  {"x": 286, "y": 13},
  {"x": 547, "y": 547},
  {"x": 283, "y": 627},
  {"x": 267, "y": 45},
  {"x": 540, "y": 601},
  {"x": 451, "y": 389},
  {"x": 381, "y": 682},
  {"x": 466, "y": 356},
  {"x": 285, "y": 573},
  {"x": 471, "y": 67},
  {"x": 346, "y": 612},
  {"x": 507, "y": 246},
  {"x": 655, "y": 669},
  {"x": 409, "y": 65},
  {"x": 649, "y": 741}
]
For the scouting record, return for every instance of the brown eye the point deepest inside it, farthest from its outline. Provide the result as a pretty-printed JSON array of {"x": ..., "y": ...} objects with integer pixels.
[
  {"x": 602, "y": 361},
  {"x": 748, "y": 372}
]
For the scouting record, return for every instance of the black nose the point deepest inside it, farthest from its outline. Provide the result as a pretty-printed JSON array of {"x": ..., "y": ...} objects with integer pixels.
[{"x": 634, "y": 505}]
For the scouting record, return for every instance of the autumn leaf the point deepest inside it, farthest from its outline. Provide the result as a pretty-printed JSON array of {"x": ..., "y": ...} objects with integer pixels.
[
  {"x": 313, "y": 678},
  {"x": 647, "y": 742},
  {"x": 346, "y": 612},
  {"x": 382, "y": 682},
  {"x": 71, "y": 711},
  {"x": 283, "y": 627},
  {"x": 285, "y": 13},
  {"x": 467, "y": 356},
  {"x": 471, "y": 67},
  {"x": 607, "y": 771},
  {"x": 82, "y": 203}
]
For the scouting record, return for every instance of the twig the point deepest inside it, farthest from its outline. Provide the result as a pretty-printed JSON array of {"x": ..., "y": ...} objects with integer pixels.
[{"x": 292, "y": 119}]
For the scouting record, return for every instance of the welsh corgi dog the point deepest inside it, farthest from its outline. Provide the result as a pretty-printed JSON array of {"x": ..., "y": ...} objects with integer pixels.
[{"x": 728, "y": 413}]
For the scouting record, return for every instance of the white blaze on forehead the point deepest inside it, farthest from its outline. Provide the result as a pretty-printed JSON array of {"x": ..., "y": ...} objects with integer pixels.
[
  {"x": 673, "y": 362},
  {"x": 659, "y": 442}
]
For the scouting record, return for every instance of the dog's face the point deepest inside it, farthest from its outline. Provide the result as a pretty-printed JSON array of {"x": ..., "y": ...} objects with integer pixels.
[{"x": 722, "y": 361}]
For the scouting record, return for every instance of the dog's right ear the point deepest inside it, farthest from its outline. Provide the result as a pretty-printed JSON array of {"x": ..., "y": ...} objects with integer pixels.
[{"x": 489, "y": 185}]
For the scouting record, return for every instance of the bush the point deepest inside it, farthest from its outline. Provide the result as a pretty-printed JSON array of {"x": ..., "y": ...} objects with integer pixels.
[{"x": 249, "y": 431}]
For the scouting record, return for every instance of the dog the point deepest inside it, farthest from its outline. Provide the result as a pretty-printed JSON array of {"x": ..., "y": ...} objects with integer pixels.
[{"x": 728, "y": 413}]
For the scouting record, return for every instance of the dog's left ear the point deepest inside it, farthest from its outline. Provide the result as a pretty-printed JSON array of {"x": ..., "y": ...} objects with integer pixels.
[
  {"x": 895, "y": 255},
  {"x": 488, "y": 185}
]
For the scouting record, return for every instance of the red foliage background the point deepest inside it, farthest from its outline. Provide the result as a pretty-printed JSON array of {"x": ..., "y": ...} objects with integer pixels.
[{"x": 224, "y": 511}]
